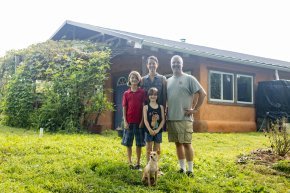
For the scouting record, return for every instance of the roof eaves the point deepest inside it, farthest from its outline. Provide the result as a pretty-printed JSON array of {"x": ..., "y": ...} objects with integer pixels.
[
  {"x": 218, "y": 56},
  {"x": 107, "y": 31},
  {"x": 64, "y": 23}
]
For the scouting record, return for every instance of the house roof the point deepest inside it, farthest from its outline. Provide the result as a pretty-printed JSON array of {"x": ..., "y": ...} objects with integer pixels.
[{"x": 182, "y": 47}]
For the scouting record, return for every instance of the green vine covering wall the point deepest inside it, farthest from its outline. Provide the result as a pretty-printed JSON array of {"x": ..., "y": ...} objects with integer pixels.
[{"x": 54, "y": 85}]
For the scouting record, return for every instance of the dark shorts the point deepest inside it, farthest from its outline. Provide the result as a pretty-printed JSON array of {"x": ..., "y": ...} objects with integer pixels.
[
  {"x": 157, "y": 138},
  {"x": 128, "y": 136}
]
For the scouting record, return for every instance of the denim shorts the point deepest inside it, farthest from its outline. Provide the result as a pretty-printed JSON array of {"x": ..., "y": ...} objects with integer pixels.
[
  {"x": 157, "y": 138},
  {"x": 133, "y": 130}
]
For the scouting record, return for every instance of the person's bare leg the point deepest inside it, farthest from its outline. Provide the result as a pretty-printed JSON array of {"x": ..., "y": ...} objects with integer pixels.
[
  {"x": 129, "y": 153},
  {"x": 180, "y": 151},
  {"x": 189, "y": 153},
  {"x": 138, "y": 152},
  {"x": 180, "y": 155},
  {"x": 156, "y": 148},
  {"x": 148, "y": 149}
]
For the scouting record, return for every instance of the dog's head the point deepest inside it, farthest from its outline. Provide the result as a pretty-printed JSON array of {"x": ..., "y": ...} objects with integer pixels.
[{"x": 153, "y": 156}]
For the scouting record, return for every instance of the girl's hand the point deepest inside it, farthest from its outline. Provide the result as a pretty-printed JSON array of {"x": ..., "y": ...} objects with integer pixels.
[{"x": 152, "y": 132}]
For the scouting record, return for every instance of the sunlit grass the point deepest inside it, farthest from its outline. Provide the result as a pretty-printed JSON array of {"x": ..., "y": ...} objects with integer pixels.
[{"x": 97, "y": 163}]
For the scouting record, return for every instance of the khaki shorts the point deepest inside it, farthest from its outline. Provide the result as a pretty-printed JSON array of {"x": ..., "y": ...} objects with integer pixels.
[{"x": 180, "y": 131}]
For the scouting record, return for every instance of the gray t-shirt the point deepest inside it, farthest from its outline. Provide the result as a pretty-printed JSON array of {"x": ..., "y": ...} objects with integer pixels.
[{"x": 180, "y": 94}]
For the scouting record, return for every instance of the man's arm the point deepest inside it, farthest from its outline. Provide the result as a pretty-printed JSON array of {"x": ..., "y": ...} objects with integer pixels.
[
  {"x": 201, "y": 96},
  {"x": 164, "y": 88}
]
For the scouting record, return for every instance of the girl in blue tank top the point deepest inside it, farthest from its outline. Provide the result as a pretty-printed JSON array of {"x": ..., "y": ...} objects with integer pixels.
[{"x": 154, "y": 120}]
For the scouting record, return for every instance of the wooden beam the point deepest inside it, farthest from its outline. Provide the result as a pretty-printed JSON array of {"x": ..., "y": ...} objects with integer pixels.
[
  {"x": 97, "y": 36},
  {"x": 111, "y": 39},
  {"x": 154, "y": 49}
]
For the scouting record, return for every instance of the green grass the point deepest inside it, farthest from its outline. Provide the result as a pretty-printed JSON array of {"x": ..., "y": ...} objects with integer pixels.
[{"x": 97, "y": 163}]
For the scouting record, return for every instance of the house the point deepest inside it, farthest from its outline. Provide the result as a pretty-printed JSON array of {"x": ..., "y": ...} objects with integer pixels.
[{"x": 229, "y": 78}]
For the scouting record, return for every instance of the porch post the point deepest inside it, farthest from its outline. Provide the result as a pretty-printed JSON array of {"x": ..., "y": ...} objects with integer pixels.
[
  {"x": 276, "y": 75},
  {"x": 143, "y": 67}
]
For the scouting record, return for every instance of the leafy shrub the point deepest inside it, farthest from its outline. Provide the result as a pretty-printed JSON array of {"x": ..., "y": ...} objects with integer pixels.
[
  {"x": 73, "y": 74},
  {"x": 278, "y": 136},
  {"x": 18, "y": 100}
]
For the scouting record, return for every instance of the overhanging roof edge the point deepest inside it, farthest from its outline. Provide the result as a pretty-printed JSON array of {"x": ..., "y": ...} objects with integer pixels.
[
  {"x": 64, "y": 23},
  {"x": 220, "y": 57},
  {"x": 203, "y": 53},
  {"x": 101, "y": 30}
]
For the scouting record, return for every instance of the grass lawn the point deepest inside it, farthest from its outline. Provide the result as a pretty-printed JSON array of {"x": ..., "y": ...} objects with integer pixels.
[{"x": 97, "y": 163}]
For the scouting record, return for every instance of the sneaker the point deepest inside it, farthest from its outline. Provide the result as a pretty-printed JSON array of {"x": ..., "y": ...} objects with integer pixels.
[
  {"x": 131, "y": 167},
  {"x": 181, "y": 171},
  {"x": 137, "y": 167},
  {"x": 190, "y": 174}
]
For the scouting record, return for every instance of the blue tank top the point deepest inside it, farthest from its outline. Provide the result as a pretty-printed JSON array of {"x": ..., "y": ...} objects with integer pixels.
[{"x": 154, "y": 117}]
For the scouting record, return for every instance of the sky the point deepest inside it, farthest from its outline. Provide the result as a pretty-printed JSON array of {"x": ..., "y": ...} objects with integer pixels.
[{"x": 255, "y": 27}]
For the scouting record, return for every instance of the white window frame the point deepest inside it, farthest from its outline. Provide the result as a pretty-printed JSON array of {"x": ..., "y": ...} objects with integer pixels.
[
  {"x": 222, "y": 87},
  {"x": 252, "y": 90}
]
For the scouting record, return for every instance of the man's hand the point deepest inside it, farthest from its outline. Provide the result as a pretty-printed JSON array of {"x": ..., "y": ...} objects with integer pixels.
[{"x": 188, "y": 112}]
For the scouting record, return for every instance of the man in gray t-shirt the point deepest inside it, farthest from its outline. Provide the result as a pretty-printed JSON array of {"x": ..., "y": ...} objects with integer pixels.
[{"x": 181, "y": 89}]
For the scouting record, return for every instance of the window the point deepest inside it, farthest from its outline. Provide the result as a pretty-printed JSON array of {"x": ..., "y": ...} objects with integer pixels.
[
  {"x": 244, "y": 89},
  {"x": 221, "y": 87},
  {"x": 122, "y": 81}
]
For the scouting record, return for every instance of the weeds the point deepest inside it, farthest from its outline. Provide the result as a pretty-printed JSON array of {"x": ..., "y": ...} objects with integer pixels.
[{"x": 278, "y": 136}]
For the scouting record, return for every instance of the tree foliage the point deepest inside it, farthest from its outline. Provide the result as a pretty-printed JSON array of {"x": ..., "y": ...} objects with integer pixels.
[{"x": 55, "y": 85}]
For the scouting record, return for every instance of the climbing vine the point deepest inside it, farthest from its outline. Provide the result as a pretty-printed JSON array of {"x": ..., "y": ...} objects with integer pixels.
[{"x": 54, "y": 84}]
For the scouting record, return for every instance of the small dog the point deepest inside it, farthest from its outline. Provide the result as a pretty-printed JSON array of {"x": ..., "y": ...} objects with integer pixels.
[{"x": 151, "y": 169}]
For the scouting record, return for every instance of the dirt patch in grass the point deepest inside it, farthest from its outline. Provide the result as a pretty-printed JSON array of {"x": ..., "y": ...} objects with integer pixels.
[{"x": 277, "y": 165}]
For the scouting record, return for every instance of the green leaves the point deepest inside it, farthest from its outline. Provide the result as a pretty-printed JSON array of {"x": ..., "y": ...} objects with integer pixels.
[{"x": 74, "y": 71}]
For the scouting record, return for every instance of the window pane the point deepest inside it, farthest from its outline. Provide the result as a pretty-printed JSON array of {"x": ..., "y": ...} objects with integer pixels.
[
  {"x": 215, "y": 86},
  {"x": 227, "y": 87},
  {"x": 244, "y": 85}
]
